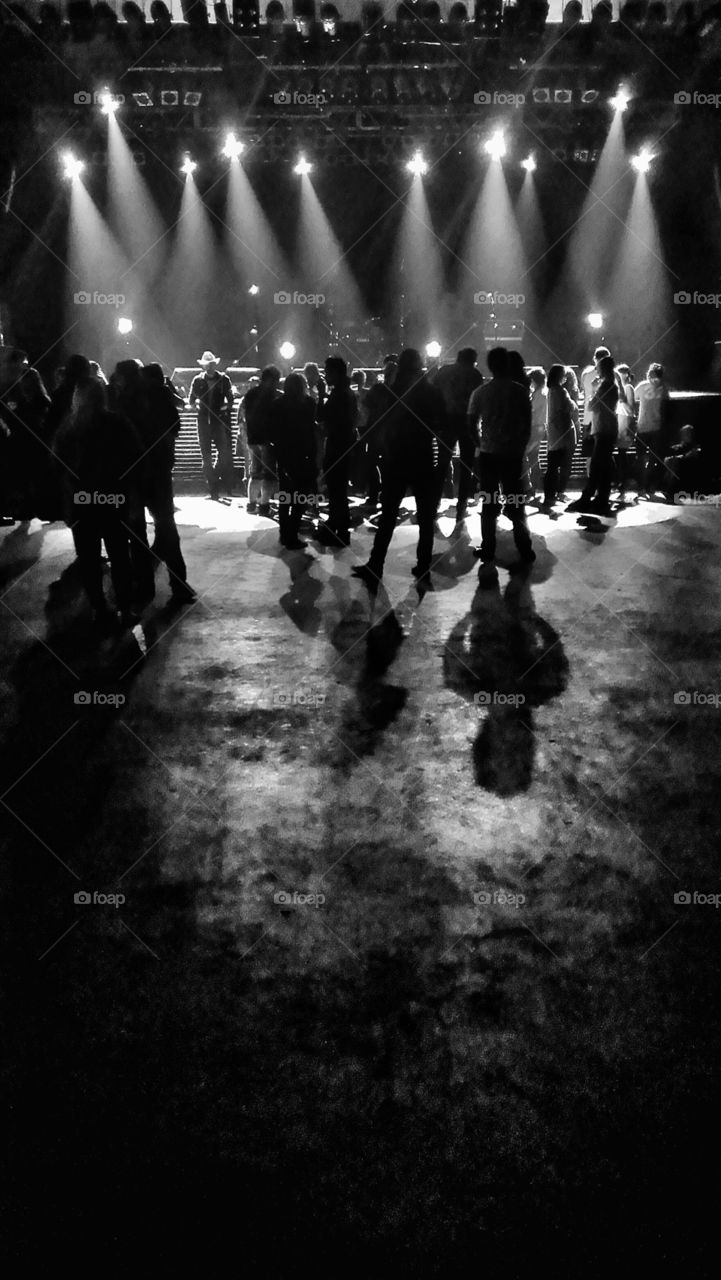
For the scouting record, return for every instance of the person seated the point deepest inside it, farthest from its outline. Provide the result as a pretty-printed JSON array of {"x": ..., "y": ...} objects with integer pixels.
[{"x": 683, "y": 467}]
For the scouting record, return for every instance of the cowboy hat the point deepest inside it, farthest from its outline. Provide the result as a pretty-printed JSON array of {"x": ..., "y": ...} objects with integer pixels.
[{"x": 208, "y": 358}]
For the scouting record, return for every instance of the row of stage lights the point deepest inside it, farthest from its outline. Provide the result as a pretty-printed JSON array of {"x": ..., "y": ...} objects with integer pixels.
[{"x": 418, "y": 166}]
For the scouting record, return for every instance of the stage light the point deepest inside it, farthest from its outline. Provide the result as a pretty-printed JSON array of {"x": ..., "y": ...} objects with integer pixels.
[
  {"x": 302, "y": 167},
  {"x": 529, "y": 164},
  {"x": 286, "y": 350},
  {"x": 108, "y": 104},
  {"x": 142, "y": 100},
  {"x": 417, "y": 165},
  {"x": 563, "y": 96},
  {"x": 621, "y": 100},
  {"x": 125, "y": 326},
  {"x": 169, "y": 97},
  {"x": 72, "y": 167},
  {"x": 188, "y": 166},
  {"x": 541, "y": 95},
  {"x": 433, "y": 350},
  {"x": 496, "y": 145},
  {"x": 192, "y": 99},
  {"x": 253, "y": 290},
  {"x": 594, "y": 320},
  {"x": 588, "y": 96},
  {"x": 233, "y": 149},
  {"x": 642, "y": 162}
]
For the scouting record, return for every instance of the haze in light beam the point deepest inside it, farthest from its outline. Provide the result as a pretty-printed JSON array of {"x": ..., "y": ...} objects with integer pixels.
[
  {"x": 418, "y": 274},
  {"x": 641, "y": 291},
  {"x": 190, "y": 285}
]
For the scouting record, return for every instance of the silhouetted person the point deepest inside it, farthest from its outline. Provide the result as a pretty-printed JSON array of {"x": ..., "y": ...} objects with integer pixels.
[
  {"x": 684, "y": 467},
  {"x": 502, "y": 409},
  {"x": 456, "y": 383},
  {"x": 409, "y": 444},
  {"x": 293, "y": 435},
  {"x": 337, "y": 415},
  {"x": 99, "y": 453},
  {"x": 652, "y": 427},
  {"x": 258, "y": 412},
  {"x": 378, "y": 400},
  {"x": 604, "y": 432},
  {"x": 23, "y": 405},
  {"x": 211, "y": 394},
  {"x": 160, "y": 430},
  {"x": 561, "y": 425}
]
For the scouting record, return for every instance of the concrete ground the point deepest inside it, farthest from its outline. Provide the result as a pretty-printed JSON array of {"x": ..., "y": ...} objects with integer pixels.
[{"x": 399, "y": 978}]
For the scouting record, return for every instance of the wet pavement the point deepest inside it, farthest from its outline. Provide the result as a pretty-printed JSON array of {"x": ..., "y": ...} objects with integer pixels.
[{"x": 378, "y": 951}]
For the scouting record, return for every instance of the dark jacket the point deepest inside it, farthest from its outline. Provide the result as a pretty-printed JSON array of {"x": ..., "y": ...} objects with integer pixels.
[
  {"x": 258, "y": 406},
  {"x": 410, "y": 428},
  {"x": 338, "y": 415},
  {"x": 213, "y": 399},
  {"x": 292, "y": 432}
]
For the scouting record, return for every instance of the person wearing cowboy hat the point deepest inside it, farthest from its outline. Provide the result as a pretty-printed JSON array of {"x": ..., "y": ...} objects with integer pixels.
[{"x": 211, "y": 394}]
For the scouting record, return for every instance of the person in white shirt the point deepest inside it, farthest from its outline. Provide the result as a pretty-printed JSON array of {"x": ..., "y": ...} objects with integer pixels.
[
  {"x": 534, "y": 475},
  {"x": 653, "y": 404}
]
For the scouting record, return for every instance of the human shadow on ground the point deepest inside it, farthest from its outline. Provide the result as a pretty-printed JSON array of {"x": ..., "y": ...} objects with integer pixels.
[
  {"x": 19, "y": 551},
  {"x": 507, "y": 661}
]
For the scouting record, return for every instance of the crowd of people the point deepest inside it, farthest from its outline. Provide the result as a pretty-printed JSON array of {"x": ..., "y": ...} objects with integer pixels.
[{"x": 100, "y": 454}]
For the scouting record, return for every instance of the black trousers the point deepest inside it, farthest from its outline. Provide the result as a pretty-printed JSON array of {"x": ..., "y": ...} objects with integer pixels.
[
  {"x": 501, "y": 474},
  {"x": 600, "y": 472},
  {"x": 221, "y": 436},
  {"x": 93, "y": 527},
  {"x": 457, "y": 433},
  {"x": 397, "y": 478},
  {"x": 558, "y": 468},
  {"x": 337, "y": 479},
  {"x": 296, "y": 494},
  {"x": 158, "y": 496}
]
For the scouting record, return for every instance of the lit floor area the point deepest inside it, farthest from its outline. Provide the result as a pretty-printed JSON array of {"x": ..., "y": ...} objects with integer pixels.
[{"x": 384, "y": 955}]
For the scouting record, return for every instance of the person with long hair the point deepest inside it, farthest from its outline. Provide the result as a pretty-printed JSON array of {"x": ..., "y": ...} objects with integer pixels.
[
  {"x": 561, "y": 427},
  {"x": 99, "y": 452},
  {"x": 292, "y": 431},
  {"x": 626, "y": 430}
]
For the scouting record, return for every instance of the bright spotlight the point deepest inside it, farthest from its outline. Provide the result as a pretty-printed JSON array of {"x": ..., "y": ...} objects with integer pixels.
[
  {"x": 124, "y": 325},
  {"x": 496, "y": 146},
  {"x": 233, "y": 148},
  {"x": 594, "y": 320},
  {"x": 72, "y": 167},
  {"x": 303, "y": 166},
  {"x": 642, "y": 162},
  {"x": 417, "y": 165},
  {"x": 433, "y": 350},
  {"x": 621, "y": 100},
  {"x": 286, "y": 350},
  {"x": 254, "y": 290},
  {"x": 108, "y": 104},
  {"x": 188, "y": 166},
  {"x": 529, "y": 164}
]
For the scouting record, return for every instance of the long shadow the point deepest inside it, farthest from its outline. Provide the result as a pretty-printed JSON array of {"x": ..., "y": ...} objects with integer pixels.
[
  {"x": 507, "y": 661},
  {"x": 19, "y": 551}
]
